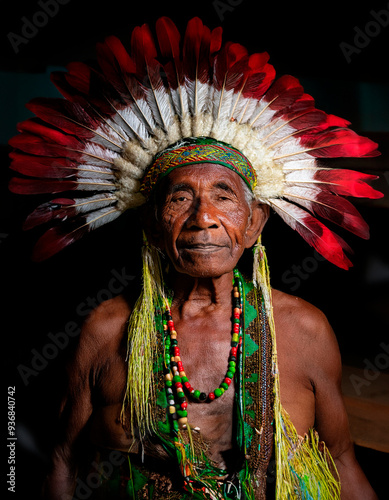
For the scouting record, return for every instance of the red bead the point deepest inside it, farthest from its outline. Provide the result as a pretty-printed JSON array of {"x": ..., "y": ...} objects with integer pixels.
[
  {"x": 176, "y": 351},
  {"x": 179, "y": 365},
  {"x": 178, "y": 385},
  {"x": 211, "y": 396},
  {"x": 184, "y": 405},
  {"x": 234, "y": 351},
  {"x": 187, "y": 385},
  {"x": 170, "y": 323},
  {"x": 236, "y": 315},
  {"x": 236, "y": 328},
  {"x": 227, "y": 380}
]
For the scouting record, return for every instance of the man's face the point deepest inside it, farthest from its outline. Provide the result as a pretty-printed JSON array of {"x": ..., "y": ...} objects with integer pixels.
[{"x": 206, "y": 221}]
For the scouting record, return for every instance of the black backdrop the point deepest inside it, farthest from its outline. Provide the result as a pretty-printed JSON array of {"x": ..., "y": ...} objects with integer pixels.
[{"x": 332, "y": 47}]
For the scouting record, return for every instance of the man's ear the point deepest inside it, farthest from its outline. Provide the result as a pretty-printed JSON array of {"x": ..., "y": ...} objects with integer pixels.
[{"x": 259, "y": 216}]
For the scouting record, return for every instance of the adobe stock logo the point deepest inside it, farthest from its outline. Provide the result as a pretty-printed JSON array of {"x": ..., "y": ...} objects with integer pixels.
[
  {"x": 38, "y": 20},
  {"x": 363, "y": 37}
]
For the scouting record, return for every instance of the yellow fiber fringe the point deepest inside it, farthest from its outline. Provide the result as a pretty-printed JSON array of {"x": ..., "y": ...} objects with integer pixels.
[
  {"x": 304, "y": 466},
  {"x": 142, "y": 346}
]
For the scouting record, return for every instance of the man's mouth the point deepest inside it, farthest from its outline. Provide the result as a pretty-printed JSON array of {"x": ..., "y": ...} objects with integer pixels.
[{"x": 202, "y": 247}]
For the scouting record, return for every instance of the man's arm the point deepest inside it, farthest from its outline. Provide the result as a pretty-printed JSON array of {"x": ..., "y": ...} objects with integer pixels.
[
  {"x": 331, "y": 417},
  {"x": 76, "y": 409}
]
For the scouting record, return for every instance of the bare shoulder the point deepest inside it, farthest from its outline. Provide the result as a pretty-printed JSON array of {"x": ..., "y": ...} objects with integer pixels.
[
  {"x": 303, "y": 318},
  {"x": 107, "y": 315},
  {"x": 303, "y": 330},
  {"x": 102, "y": 334}
]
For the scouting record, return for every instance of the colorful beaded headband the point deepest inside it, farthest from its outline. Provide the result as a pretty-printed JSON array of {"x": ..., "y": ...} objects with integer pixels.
[{"x": 194, "y": 151}]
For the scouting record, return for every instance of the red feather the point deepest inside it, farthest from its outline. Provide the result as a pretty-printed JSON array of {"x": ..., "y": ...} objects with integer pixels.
[
  {"x": 114, "y": 59},
  {"x": 229, "y": 67},
  {"x": 258, "y": 77},
  {"x": 59, "y": 208},
  {"x": 47, "y": 167},
  {"x": 76, "y": 81},
  {"x": 39, "y": 146},
  {"x": 33, "y": 128},
  {"x": 64, "y": 208},
  {"x": 169, "y": 44},
  {"x": 284, "y": 92},
  {"x": 38, "y": 186},
  {"x": 325, "y": 242},
  {"x": 339, "y": 143},
  {"x": 69, "y": 117},
  {"x": 330, "y": 207},
  {"x": 199, "y": 46},
  {"x": 54, "y": 240},
  {"x": 168, "y": 38},
  {"x": 347, "y": 183},
  {"x": 143, "y": 49}
]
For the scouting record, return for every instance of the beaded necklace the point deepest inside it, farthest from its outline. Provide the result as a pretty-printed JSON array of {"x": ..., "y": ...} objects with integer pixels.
[{"x": 178, "y": 388}]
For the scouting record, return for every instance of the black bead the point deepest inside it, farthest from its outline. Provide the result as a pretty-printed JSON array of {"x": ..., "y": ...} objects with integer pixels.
[{"x": 202, "y": 396}]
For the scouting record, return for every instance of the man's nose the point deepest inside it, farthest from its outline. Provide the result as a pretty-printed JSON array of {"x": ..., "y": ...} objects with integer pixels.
[{"x": 203, "y": 216}]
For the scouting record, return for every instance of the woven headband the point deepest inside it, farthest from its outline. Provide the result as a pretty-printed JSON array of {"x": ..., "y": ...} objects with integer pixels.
[{"x": 195, "y": 151}]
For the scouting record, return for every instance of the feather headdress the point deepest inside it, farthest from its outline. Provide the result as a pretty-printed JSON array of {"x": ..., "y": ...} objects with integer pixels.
[{"x": 104, "y": 135}]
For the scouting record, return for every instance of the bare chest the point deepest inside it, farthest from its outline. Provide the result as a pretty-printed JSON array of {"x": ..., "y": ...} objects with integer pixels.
[{"x": 204, "y": 352}]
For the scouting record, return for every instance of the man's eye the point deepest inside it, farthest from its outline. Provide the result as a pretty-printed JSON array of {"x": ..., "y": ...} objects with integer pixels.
[{"x": 179, "y": 199}]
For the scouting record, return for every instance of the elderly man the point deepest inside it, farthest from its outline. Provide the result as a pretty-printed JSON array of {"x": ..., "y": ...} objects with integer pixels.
[
  {"x": 205, "y": 222},
  {"x": 210, "y": 384}
]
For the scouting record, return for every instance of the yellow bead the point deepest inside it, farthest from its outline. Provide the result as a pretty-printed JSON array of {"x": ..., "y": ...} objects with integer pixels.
[
  {"x": 182, "y": 421},
  {"x": 182, "y": 374},
  {"x": 168, "y": 376},
  {"x": 172, "y": 409},
  {"x": 177, "y": 359}
]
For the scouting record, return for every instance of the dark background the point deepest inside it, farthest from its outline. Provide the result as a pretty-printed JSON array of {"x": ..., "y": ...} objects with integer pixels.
[{"x": 303, "y": 40}]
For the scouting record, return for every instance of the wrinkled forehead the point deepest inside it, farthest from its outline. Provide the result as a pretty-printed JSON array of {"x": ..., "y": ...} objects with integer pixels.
[
  {"x": 202, "y": 176},
  {"x": 200, "y": 153}
]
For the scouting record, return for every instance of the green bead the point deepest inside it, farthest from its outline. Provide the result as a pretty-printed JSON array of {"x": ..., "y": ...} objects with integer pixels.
[
  {"x": 224, "y": 386},
  {"x": 232, "y": 364},
  {"x": 218, "y": 392},
  {"x": 180, "y": 394},
  {"x": 175, "y": 425},
  {"x": 185, "y": 379},
  {"x": 176, "y": 379},
  {"x": 182, "y": 413},
  {"x": 168, "y": 383},
  {"x": 196, "y": 394},
  {"x": 230, "y": 374}
]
